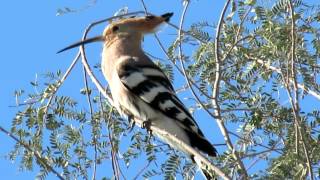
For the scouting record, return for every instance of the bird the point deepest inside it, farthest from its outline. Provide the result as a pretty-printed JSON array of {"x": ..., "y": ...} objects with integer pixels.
[{"x": 140, "y": 89}]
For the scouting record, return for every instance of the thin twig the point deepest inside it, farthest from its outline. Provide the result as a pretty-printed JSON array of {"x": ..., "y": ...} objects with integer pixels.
[
  {"x": 300, "y": 86},
  {"x": 232, "y": 47},
  {"x": 271, "y": 149},
  {"x": 257, "y": 160},
  {"x": 182, "y": 61},
  {"x": 237, "y": 40},
  {"x": 185, "y": 76},
  {"x": 40, "y": 159},
  {"x": 177, "y": 67},
  {"x": 295, "y": 103},
  {"x": 172, "y": 25},
  {"x": 60, "y": 82},
  {"x": 115, "y": 166},
  {"x": 215, "y": 94},
  {"x": 187, "y": 33},
  {"x": 87, "y": 91},
  {"x": 259, "y": 144},
  {"x": 141, "y": 171},
  {"x": 144, "y": 6},
  {"x": 293, "y": 78}
]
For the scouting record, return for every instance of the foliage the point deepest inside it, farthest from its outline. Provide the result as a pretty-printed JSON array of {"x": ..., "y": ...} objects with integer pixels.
[
  {"x": 255, "y": 52},
  {"x": 265, "y": 86}
]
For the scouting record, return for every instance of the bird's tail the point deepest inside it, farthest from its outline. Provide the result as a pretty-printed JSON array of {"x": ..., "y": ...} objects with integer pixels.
[{"x": 206, "y": 172}]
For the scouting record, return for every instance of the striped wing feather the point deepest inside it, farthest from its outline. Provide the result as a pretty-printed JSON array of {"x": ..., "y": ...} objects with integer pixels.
[{"x": 150, "y": 84}]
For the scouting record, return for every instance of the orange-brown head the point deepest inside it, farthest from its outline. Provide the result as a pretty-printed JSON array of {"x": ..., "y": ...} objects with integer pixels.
[{"x": 136, "y": 26}]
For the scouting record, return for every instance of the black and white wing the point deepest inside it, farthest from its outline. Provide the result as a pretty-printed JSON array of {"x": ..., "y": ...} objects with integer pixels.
[{"x": 148, "y": 82}]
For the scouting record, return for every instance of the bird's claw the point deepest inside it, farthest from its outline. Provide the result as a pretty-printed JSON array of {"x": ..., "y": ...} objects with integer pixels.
[
  {"x": 147, "y": 125},
  {"x": 132, "y": 123}
]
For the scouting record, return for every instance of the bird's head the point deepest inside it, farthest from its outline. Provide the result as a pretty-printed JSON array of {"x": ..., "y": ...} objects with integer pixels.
[{"x": 136, "y": 26}]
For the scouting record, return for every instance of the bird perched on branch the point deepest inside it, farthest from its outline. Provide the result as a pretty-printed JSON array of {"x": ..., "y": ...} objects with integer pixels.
[{"x": 140, "y": 89}]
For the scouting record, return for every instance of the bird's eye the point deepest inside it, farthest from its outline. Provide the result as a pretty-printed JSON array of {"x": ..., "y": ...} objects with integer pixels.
[
  {"x": 115, "y": 28},
  {"x": 150, "y": 17}
]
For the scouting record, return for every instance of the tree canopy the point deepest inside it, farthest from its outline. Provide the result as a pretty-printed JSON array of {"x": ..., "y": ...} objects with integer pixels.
[{"x": 256, "y": 77}]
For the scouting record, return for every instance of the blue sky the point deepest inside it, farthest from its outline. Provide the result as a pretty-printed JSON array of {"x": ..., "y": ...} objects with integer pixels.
[{"x": 31, "y": 34}]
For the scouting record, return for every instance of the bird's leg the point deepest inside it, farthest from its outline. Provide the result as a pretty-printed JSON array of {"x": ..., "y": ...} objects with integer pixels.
[
  {"x": 132, "y": 123},
  {"x": 147, "y": 125}
]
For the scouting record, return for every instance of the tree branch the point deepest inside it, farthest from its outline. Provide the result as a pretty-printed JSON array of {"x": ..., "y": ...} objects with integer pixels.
[
  {"x": 300, "y": 86},
  {"x": 60, "y": 82},
  {"x": 295, "y": 102},
  {"x": 215, "y": 95},
  {"x": 94, "y": 123},
  {"x": 188, "y": 80},
  {"x": 43, "y": 162},
  {"x": 187, "y": 148}
]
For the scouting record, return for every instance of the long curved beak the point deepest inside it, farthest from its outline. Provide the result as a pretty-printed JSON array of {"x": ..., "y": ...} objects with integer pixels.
[{"x": 86, "y": 41}]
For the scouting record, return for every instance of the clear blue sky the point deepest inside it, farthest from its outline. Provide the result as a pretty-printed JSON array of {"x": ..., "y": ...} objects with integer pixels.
[{"x": 31, "y": 33}]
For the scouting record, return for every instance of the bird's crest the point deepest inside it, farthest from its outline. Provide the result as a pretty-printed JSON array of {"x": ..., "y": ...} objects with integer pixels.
[{"x": 131, "y": 25}]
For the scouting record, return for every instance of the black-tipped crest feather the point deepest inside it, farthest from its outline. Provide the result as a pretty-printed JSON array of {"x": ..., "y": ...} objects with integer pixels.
[{"x": 167, "y": 16}]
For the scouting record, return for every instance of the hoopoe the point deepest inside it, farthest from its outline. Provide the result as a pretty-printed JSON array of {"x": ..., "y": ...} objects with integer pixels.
[{"x": 139, "y": 88}]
